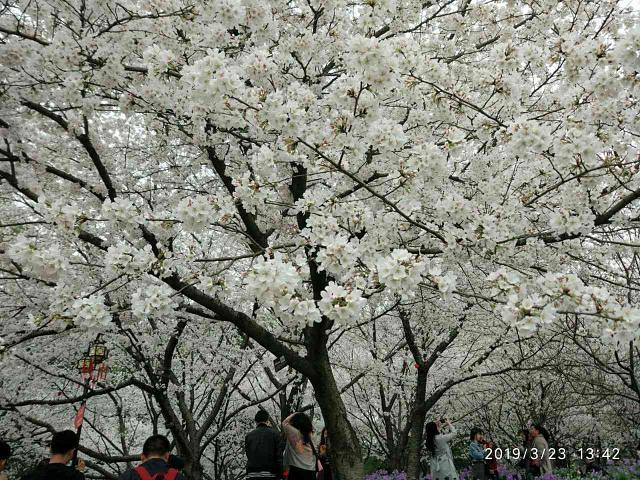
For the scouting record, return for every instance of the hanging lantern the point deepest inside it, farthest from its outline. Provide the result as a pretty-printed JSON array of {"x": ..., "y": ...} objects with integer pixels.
[
  {"x": 98, "y": 352},
  {"x": 84, "y": 364},
  {"x": 103, "y": 368},
  {"x": 85, "y": 367}
]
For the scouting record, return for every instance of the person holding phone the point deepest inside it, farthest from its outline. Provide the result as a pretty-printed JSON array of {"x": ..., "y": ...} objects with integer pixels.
[
  {"x": 438, "y": 444},
  {"x": 300, "y": 451}
]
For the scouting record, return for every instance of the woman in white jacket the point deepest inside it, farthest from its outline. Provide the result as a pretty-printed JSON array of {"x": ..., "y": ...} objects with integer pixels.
[
  {"x": 540, "y": 450},
  {"x": 437, "y": 442},
  {"x": 300, "y": 453}
]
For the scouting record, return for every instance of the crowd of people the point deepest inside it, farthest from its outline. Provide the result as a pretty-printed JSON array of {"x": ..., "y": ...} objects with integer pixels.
[
  {"x": 292, "y": 454},
  {"x": 534, "y": 452},
  {"x": 270, "y": 456},
  {"x": 157, "y": 463}
]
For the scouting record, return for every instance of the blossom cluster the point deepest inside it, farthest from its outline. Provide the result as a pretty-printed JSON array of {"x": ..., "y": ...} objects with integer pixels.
[
  {"x": 90, "y": 313},
  {"x": 123, "y": 257},
  {"x": 534, "y": 304},
  {"x": 400, "y": 271},
  {"x": 46, "y": 263},
  {"x": 195, "y": 213},
  {"x": 153, "y": 300}
]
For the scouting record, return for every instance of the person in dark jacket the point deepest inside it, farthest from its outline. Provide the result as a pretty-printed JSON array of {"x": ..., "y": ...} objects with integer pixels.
[
  {"x": 63, "y": 446},
  {"x": 263, "y": 447},
  {"x": 490, "y": 460},
  {"x": 155, "y": 458},
  {"x": 5, "y": 453},
  {"x": 524, "y": 451},
  {"x": 323, "y": 456}
]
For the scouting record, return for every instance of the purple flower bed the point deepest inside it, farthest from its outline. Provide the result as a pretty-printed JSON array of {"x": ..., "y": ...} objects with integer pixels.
[
  {"x": 628, "y": 469},
  {"x": 384, "y": 475}
]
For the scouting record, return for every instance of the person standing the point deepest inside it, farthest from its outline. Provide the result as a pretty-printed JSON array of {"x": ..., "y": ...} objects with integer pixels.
[
  {"x": 476, "y": 454},
  {"x": 442, "y": 466},
  {"x": 323, "y": 454},
  {"x": 155, "y": 458},
  {"x": 263, "y": 449},
  {"x": 300, "y": 451},
  {"x": 524, "y": 452},
  {"x": 63, "y": 446},
  {"x": 491, "y": 463},
  {"x": 540, "y": 449},
  {"x": 5, "y": 453}
]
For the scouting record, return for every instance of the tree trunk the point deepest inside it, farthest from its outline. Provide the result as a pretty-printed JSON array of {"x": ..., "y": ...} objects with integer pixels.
[
  {"x": 345, "y": 452},
  {"x": 417, "y": 419},
  {"x": 192, "y": 461},
  {"x": 193, "y": 471},
  {"x": 397, "y": 459}
]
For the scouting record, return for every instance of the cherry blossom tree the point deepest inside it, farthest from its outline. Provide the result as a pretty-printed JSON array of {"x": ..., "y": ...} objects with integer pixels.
[
  {"x": 425, "y": 365},
  {"x": 288, "y": 168},
  {"x": 192, "y": 379},
  {"x": 580, "y": 393}
]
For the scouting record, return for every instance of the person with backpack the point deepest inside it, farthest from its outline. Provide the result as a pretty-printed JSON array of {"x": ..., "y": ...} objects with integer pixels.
[
  {"x": 263, "y": 448},
  {"x": 63, "y": 446},
  {"x": 155, "y": 458}
]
